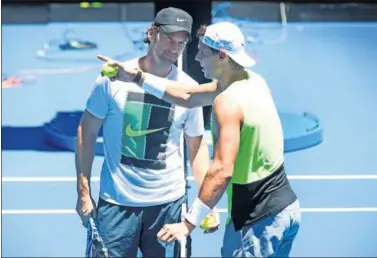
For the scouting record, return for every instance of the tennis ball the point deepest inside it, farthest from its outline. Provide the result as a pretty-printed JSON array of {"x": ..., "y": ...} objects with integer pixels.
[
  {"x": 109, "y": 71},
  {"x": 211, "y": 221}
]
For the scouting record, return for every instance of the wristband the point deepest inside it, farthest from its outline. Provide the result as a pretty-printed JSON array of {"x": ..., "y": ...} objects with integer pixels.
[
  {"x": 154, "y": 85},
  {"x": 197, "y": 212}
]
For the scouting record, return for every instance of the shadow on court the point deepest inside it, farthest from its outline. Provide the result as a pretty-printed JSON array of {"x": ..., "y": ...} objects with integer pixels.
[{"x": 25, "y": 138}]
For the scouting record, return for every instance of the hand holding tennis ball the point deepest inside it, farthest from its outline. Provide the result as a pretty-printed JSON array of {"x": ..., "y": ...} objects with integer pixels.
[
  {"x": 115, "y": 70},
  {"x": 109, "y": 70},
  {"x": 211, "y": 223}
]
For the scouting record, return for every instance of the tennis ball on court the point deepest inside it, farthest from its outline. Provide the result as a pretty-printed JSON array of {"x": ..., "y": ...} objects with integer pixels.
[
  {"x": 211, "y": 221},
  {"x": 109, "y": 71}
]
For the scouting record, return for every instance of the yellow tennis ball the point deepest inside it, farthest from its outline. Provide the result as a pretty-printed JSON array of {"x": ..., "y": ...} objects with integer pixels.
[
  {"x": 109, "y": 70},
  {"x": 209, "y": 222}
]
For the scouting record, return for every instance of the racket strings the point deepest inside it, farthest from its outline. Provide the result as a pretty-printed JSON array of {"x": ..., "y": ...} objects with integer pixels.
[{"x": 95, "y": 246}]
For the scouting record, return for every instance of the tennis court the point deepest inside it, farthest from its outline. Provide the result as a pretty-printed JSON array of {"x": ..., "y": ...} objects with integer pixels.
[{"x": 325, "y": 69}]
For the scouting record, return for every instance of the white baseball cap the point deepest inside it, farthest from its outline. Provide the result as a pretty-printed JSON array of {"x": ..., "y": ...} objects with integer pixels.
[{"x": 228, "y": 37}]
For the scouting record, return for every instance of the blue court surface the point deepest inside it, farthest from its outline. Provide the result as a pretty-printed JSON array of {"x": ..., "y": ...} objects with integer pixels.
[{"x": 327, "y": 70}]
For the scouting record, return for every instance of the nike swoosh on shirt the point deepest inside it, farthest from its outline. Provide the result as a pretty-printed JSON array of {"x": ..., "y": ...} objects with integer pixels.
[{"x": 132, "y": 133}]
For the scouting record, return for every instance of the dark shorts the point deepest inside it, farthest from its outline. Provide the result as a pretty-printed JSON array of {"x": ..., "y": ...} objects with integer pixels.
[{"x": 125, "y": 229}]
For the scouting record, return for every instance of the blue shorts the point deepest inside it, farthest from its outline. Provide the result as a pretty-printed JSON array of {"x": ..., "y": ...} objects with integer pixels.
[
  {"x": 126, "y": 229},
  {"x": 271, "y": 237}
]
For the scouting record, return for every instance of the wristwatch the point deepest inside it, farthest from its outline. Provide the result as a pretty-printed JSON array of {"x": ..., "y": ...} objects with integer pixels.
[{"x": 138, "y": 77}]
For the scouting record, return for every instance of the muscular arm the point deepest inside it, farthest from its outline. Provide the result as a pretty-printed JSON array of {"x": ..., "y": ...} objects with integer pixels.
[
  {"x": 229, "y": 116},
  {"x": 199, "y": 157},
  {"x": 182, "y": 94},
  {"x": 86, "y": 138}
]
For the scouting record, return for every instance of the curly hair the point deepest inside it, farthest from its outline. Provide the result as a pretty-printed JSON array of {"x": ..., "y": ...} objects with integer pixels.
[{"x": 153, "y": 27}]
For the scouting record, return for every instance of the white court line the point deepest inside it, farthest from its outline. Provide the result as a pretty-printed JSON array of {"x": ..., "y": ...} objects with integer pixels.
[
  {"x": 191, "y": 178},
  {"x": 38, "y": 212},
  {"x": 304, "y": 210},
  {"x": 45, "y": 179},
  {"x": 328, "y": 210}
]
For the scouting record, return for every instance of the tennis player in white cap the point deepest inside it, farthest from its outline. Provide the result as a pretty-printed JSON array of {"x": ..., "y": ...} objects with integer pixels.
[{"x": 263, "y": 210}]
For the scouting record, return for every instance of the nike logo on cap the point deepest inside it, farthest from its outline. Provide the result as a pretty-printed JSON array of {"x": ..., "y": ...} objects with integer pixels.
[{"x": 180, "y": 20}]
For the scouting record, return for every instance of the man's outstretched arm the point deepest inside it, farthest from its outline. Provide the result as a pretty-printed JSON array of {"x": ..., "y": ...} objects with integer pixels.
[{"x": 181, "y": 94}]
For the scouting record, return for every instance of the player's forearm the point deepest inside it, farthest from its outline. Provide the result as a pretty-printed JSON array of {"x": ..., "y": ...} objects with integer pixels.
[
  {"x": 201, "y": 163},
  {"x": 178, "y": 93},
  {"x": 213, "y": 187},
  {"x": 215, "y": 184},
  {"x": 84, "y": 159}
]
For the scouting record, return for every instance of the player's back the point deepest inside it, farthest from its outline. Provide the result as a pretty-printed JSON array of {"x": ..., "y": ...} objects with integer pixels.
[
  {"x": 259, "y": 184},
  {"x": 262, "y": 143},
  {"x": 261, "y": 127}
]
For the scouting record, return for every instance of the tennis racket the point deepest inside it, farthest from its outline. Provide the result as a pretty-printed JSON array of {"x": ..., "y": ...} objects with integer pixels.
[{"x": 95, "y": 246}]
